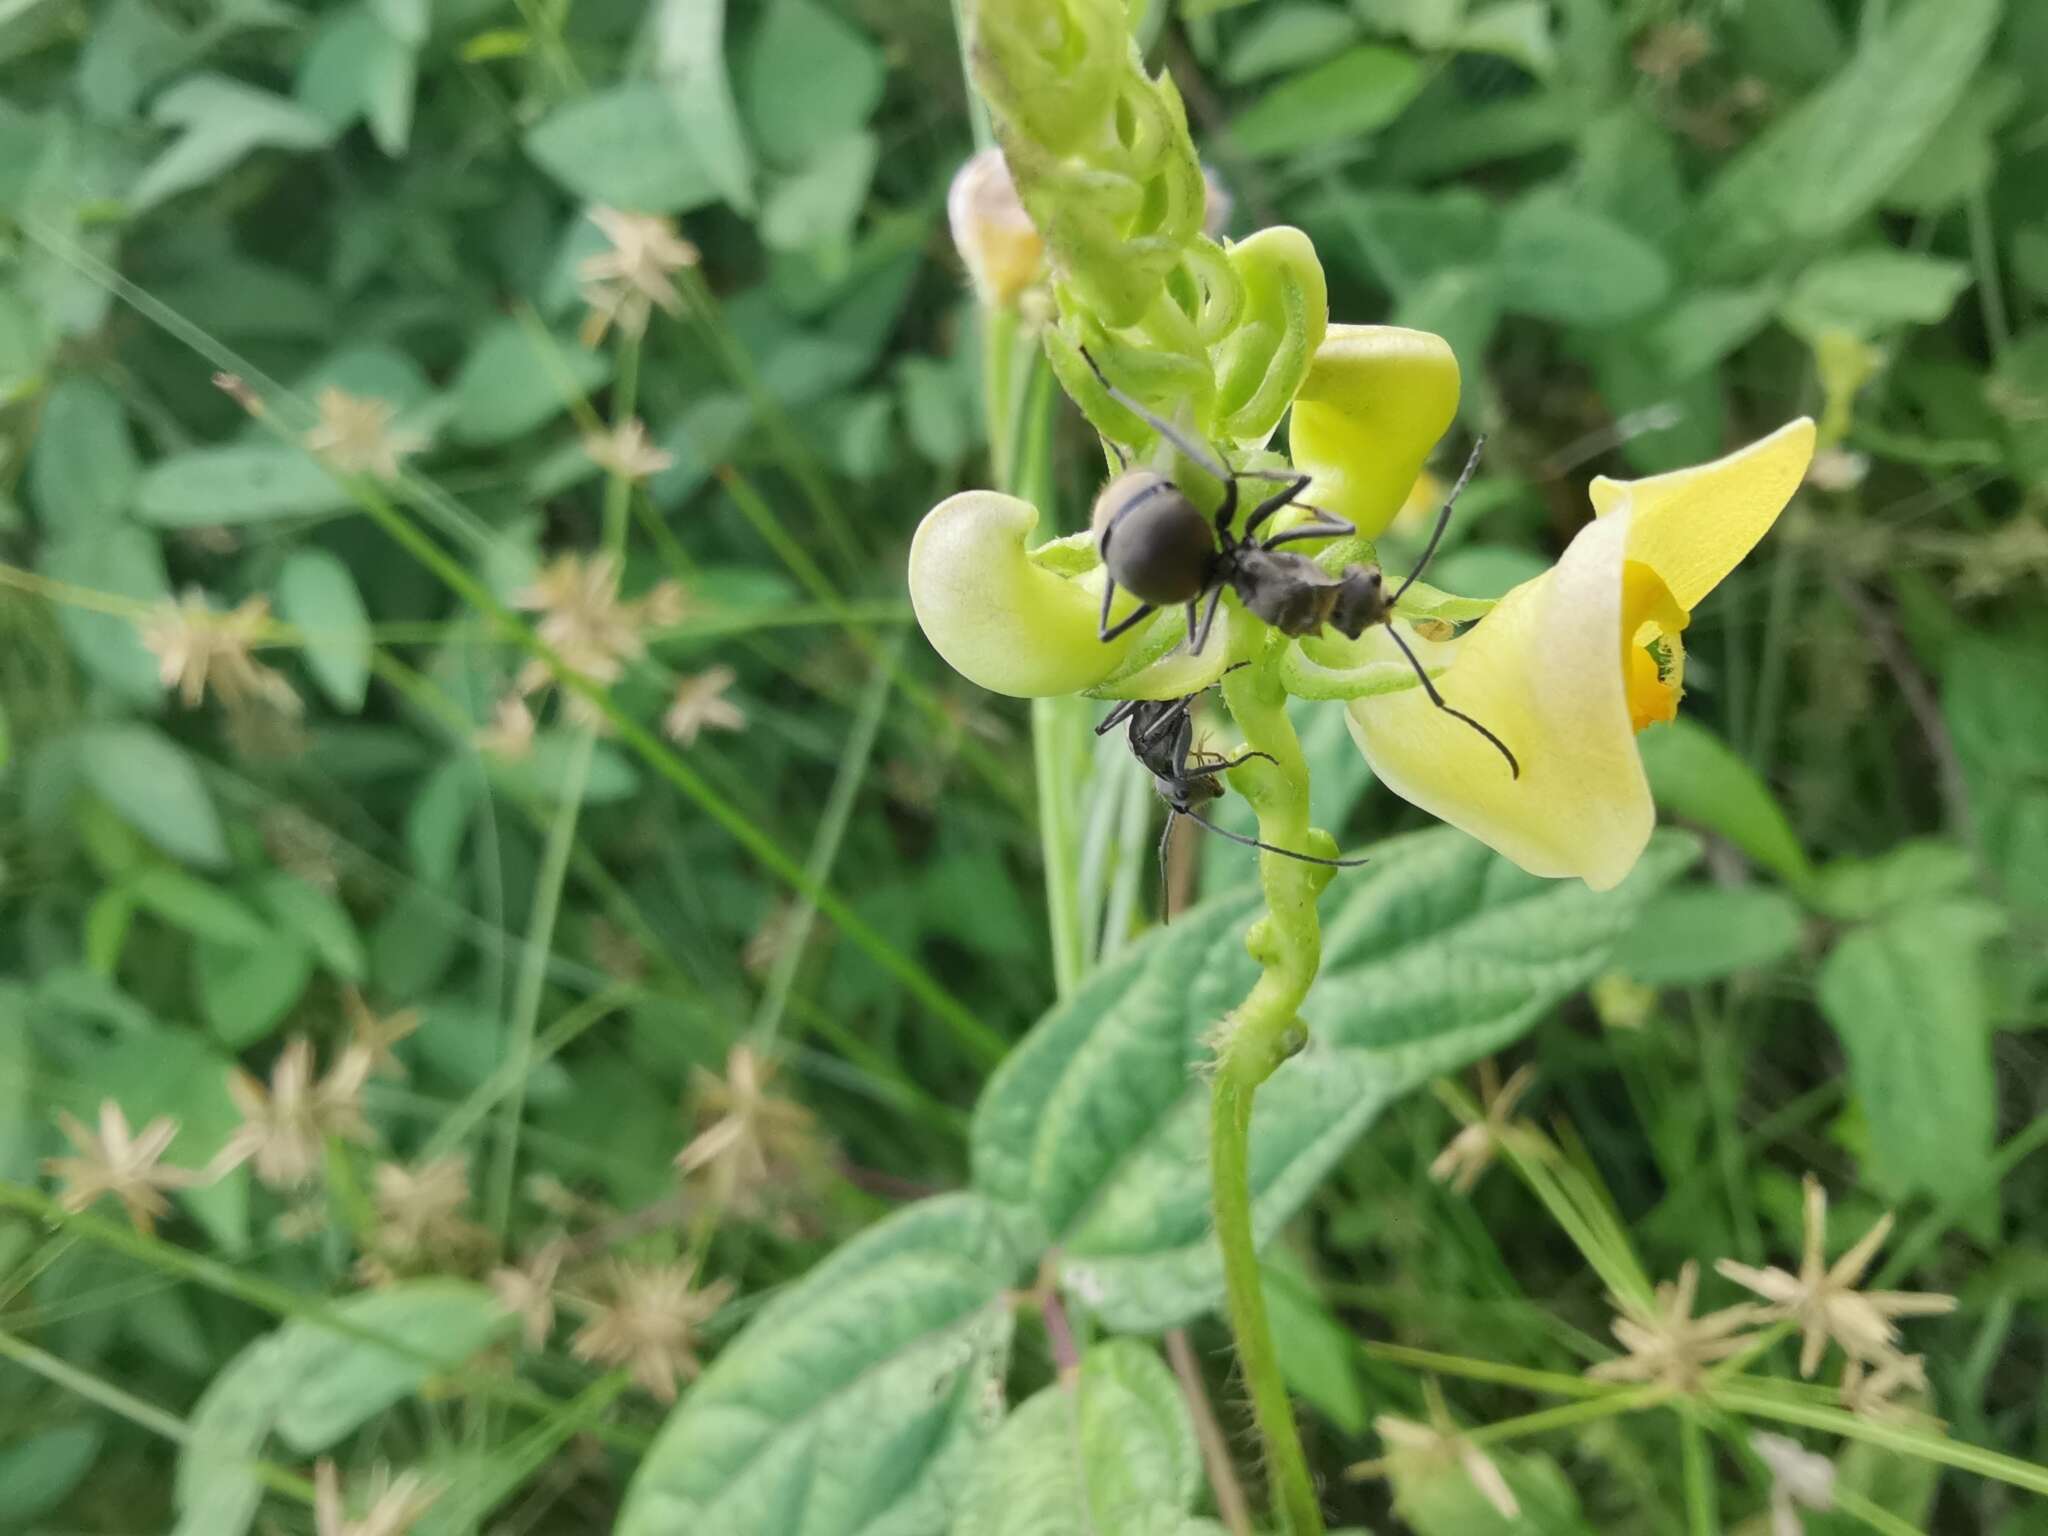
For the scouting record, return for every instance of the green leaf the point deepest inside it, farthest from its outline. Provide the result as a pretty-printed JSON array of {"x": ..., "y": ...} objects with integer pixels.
[
  {"x": 426, "y": 1327},
  {"x": 313, "y": 1385},
  {"x": 626, "y": 147},
  {"x": 1437, "y": 1497},
  {"x": 1994, "y": 694},
  {"x": 689, "y": 59},
  {"x": 222, "y": 122},
  {"x": 1699, "y": 933},
  {"x": 199, "y": 907},
  {"x": 319, "y": 919},
  {"x": 1908, "y": 997},
  {"x": 857, "y": 1400},
  {"x": 821, "y": 203},
  {"x": 317, "y": 594},
  {"x": 241, "y": 483},
  {"x": 38, "y": 1470},
  {"x": 245, "y": 993},
  {"x": 1563, "y": 263},
  {"x": 1962, "y": 156},
  {"x": 517, "y": 378},
  {"x": 359, "y": 68},
  {"x": 1435, "y": 954},
  {"x": 1110, "y": 1452},
  {"x": 1288, "y": 36},
  {"x": 120, "y": 562},
  {"x": 1827, "y": 162},
  {"x": 1866, "y": 291},
  {"x": 170, "y": 1070},
  {"x": 1696, "y": 775},
  {"x": 1316, "y": 1351},
  {"x": 17, "y": 1086},
  {"x": 154, "y": 787},
  {"x": 83, "y": 471},
  {"x": 1360, "y": 90},
  {"x": 811, "y": 80},
  {"x": 1701, "y": 328},
  {"x": 935, "y": 410},
  {"x": 1854, "y": 890}
]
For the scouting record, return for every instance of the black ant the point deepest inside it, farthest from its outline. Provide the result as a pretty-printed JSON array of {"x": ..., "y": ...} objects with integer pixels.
[
  {"x": 1157, "y": 544},
  {"x": 1162, "y": 737}
]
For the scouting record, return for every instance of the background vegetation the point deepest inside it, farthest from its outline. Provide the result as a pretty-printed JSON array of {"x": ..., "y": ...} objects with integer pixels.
[{"x": 1651, "y": 229}]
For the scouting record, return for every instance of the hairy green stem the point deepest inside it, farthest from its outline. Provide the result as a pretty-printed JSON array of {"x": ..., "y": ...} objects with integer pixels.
[{"x": 1263, "y": 1032}]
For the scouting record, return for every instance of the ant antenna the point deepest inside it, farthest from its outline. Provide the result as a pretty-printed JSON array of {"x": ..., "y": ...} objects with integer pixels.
[
  {"x": 1429, "y": 687},
  {"x": 1253, "y": 842},
  {"x": 1159, "y": 424},
  {"x": 1443, "y": 521}
]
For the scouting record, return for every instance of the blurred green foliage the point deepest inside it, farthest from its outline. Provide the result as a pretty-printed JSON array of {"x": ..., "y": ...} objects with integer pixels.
[{"x": 1650, "y": 228}]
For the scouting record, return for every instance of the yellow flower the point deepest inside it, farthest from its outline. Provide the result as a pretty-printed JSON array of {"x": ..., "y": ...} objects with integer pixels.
[{"x": 1570, "y": 665}]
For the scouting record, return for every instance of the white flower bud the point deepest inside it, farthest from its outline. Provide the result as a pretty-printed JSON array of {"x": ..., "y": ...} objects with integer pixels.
[{"x": 994, "y": 235}]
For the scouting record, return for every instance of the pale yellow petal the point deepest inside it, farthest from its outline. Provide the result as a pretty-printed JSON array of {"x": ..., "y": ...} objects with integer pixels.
[
  {"x": 1375, "y": 402},
  {"x": 1693, "y": 526},
  {"x": 1543, "y": 672},
  {"x": 999, "y": 618}
]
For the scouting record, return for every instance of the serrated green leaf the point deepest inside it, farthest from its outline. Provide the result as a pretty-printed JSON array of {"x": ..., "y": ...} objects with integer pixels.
[
  {"x": 857, "y": 1400},
  {"x": 1826, "y": 162},
  {"x": 241, "y": 483},
  {"x": 626, "y": 147},
  {"x": 154, "y": 786},
  {"x": 1696, "y": 775},
  {"x": 1435, "y": 954},
  {"x": 316, "y": 593},
  {"x": 1908, "y": 997},
  {"x": 1110, "y": 1452},
  {"x": 1564, "y": 263},
  {"x": 1360, "y": 90},
  {"x": 83, "y": 472},
  {"x": 1699, "y": 933}
]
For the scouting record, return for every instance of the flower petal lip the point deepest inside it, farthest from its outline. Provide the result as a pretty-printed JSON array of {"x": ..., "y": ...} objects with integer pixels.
[
  {"x": 1693, "y": 526},
  {"x": 998, "y": 617},
  {"x": 1376, "y": 399}
]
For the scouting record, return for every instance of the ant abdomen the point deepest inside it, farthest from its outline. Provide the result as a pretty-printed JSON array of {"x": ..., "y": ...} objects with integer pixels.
[{"x": 1163, "y": 546}]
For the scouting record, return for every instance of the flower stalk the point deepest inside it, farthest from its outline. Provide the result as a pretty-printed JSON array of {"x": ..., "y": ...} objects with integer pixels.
[{"x": 1262, "y": 1033}]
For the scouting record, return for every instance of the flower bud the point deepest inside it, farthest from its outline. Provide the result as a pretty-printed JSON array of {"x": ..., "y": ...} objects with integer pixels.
[{"x": 994, "y": 235}]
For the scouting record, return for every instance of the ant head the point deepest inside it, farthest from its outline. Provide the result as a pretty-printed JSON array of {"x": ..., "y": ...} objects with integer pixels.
[
  {"x": 1156, "y": 543},
  {"x": 1361, "y": 601}
]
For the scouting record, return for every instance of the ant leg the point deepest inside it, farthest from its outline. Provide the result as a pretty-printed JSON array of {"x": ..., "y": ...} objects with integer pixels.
[
  {"x": 1285, "y": 853},
  {"x": 1443, "y": 521},
  {"x": 1296, "y": 484},
  {"x": 1159, "y": 424},
  {"x": 1205, "y": 770},
  {"x": 1326, "y": 528},
  {"x": 1429, "y": 687},
  {"x": 1136, "y": 616},
  {"x": 1167, "y": 721},
  {"x": 1196, "y": 642},
  {"x": 1118, "y": 716}
]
